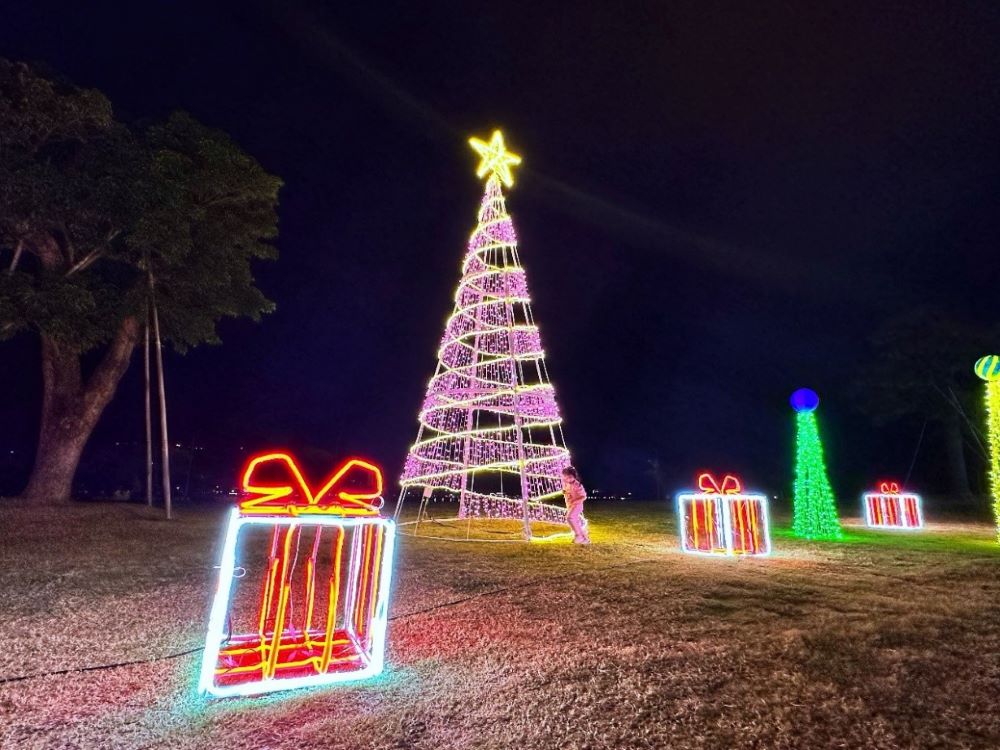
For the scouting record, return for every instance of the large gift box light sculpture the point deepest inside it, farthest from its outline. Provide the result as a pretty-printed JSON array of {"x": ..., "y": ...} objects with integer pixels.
[
  {"x": 722, "y": 520},
  {"x": 891, "y": 509},
  {"x": 311, "y": 608}
]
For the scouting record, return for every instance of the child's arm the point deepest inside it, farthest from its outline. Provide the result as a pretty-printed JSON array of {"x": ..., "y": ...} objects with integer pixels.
[{"x": 574, "y": 493}]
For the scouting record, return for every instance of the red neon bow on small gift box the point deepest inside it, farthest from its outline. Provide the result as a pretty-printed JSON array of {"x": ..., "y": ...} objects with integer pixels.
[
  {"x": 355, "y": 488},
  {"x": 889, "y": 488},
  {"x": 710, "y": 485}
]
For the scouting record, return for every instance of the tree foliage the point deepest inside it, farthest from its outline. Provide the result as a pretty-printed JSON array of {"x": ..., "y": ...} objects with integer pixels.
[
  {"x": 98, "y": 204},
  {"x": 96, "y": 219},
  {"x": 921, "y": 366},
  {"x": 212, "y": 210}
]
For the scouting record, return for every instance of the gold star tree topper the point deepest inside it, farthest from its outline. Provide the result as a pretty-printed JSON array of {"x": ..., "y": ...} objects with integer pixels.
[{"x": 495, "y": 158}]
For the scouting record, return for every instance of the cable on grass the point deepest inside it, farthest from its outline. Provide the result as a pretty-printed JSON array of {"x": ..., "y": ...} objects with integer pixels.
[
  {"x": 96, "y": 667},
  {"x": 401, "y": 616}
]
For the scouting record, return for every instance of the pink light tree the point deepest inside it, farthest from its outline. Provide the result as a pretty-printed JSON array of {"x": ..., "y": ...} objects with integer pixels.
[{"x": 490, "y": 430}]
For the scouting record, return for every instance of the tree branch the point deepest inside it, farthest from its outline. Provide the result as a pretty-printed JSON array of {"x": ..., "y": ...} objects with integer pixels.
[
  {"x": 18, "y": 249},
  {"x": 101, "y": 384},
  {"x": 47, "y": 250},
  {"x": 68, "y": 241},
  {"x": 85, "y": 261},
  {"x": 222, "y": 198}
]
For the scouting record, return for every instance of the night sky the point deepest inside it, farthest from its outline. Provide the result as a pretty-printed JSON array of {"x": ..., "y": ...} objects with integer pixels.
[{"x": 716, "y": 207}]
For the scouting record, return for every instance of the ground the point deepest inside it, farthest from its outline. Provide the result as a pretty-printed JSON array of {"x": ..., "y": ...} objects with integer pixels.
[{"x": 883, "y": 640}]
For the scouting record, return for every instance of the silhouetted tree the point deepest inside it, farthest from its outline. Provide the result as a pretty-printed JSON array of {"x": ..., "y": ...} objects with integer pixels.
[
  {"x": 920, "y": 369},
  {"x": 658, "y": 475},
  {"x": 94, "y": 218}
]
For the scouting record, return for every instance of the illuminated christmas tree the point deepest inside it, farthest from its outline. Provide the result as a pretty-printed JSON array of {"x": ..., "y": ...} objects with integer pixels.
[
  {"x": 814, "y": 511},
  {"x": 988, "y": 368},
  {"x": 490, "y": 431}
]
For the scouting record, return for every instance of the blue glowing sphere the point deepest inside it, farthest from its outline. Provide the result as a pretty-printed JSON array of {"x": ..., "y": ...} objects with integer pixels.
[{"x": 804, "y": 399}]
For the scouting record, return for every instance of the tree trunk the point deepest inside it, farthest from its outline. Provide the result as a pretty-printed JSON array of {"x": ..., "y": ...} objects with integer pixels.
[
  {"x": 71, "y": 408},
  {"x": 956, "y": 460}
]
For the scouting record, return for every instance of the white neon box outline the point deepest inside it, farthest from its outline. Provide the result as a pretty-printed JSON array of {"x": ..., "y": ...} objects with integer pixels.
[
  {"x": 901, "y": 496},
  {"x": 686, "y": 497},
  {"x": 220, "y": 605}
]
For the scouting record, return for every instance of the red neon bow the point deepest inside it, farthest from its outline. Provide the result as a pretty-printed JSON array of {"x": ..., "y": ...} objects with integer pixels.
[
  {"x": 710, "y": 485},
  {"x": 355, "y": 488},
  {"x": 889, "y": 488}
]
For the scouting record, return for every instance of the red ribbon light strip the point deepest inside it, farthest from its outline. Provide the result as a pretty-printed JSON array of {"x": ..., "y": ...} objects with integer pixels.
[
  {"x": 710, "y": 485},
  {"x": 335, "y": 497}
]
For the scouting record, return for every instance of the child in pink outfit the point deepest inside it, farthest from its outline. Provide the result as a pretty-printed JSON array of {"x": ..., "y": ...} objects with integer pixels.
[{"x": 575, "y": 496}]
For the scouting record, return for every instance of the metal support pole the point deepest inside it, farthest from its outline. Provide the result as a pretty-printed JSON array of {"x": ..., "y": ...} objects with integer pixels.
[
  {"x": 422, "y": 509},
  {"x": 399, "y": 504},
  {"x": 467, "y": 442},
  {"x": 164, "y": 435},
  {"x": 521, "y": 463},
  {"x": 149, "y": 421}
]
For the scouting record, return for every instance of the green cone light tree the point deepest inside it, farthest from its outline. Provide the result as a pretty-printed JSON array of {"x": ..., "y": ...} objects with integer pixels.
[{"x": 814, "y": 507}]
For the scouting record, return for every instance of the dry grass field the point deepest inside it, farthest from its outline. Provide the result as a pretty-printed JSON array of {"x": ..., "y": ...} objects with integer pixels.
[{"x": 881, "y": 641}]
